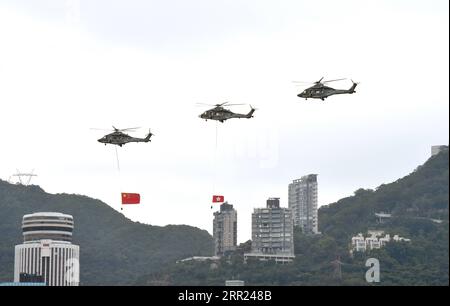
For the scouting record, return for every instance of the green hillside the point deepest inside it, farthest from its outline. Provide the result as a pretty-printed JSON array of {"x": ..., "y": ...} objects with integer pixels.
[
  {"x": 113, "y": 249},
  {"x": 415, "y": 203}
]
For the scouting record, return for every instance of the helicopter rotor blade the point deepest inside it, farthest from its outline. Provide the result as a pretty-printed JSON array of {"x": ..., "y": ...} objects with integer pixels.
[
  {"x": 235, "y": 104},
  {"x": 318, "y": 82},
  {"x": 129, "y": 129},
  {"x": 213, "y": 105},
  {"x": 301, "y": 82},
  {"x": 333, "y": 80},
  {"x": 115, "y": 129},
  {"x": 95, "y": 129},
  {"x": 220, "y": 104},
  {"x": 201, "y": 104}
]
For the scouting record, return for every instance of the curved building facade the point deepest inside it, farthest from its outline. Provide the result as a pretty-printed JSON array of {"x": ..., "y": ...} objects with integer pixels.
[
  {"x": 47, "y": 254},
  {"x": 54, "y": 226}
]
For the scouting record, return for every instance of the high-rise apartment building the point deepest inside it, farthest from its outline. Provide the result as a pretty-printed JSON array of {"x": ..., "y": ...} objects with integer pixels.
[
  {"x": 303, "y": 203},
  {"x": 225, "y": 229},
  {"x": 272, "y": 233}
]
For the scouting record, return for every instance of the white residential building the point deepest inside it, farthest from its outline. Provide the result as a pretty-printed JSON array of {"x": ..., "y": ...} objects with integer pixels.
[
  {"x": 374, "y": 240},
  {"x": 359, "y": 243},
  {"x": 385, "y": 239}
]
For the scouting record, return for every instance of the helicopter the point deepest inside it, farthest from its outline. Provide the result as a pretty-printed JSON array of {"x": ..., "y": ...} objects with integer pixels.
[
  {"x": 320, "y": 91},
  {"x": 221, "y": 114},
  {"x": 118, "y": 137}
]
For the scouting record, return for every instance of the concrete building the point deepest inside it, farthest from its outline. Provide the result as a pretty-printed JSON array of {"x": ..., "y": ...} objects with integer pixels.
[
  {"x": 47, "y": 254},
  {"x": 272, "y": 233},
  {"x": 437, "y": 149},
  {"x": 303, "y": 203},
  {"x": 225, "y": 230}
]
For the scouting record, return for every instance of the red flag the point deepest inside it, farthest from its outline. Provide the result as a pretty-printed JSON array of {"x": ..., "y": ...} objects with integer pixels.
[
  {"x": 218, "y": 199},
  {"x": 131, "y": 198}
]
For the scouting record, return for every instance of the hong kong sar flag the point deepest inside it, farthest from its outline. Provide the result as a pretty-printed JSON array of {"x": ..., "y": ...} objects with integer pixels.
[
  {"x": 130, "y": 198},
  {"x": 218, "y": 198}
]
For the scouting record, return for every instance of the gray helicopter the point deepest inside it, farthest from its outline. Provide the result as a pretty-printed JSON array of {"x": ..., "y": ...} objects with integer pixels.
[
  {"x": 118, "y": 137},
  {"x": 222, "y": 114},
  {"x": 320, "y": 91}
]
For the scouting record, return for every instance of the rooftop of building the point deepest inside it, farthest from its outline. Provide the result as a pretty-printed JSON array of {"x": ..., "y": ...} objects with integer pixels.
[
  {"x": 48, "y": 214},
  {"x": 306, "y": 178},
  {"x": 273, "y": 203},
  {"x": 226, "y": 206}
]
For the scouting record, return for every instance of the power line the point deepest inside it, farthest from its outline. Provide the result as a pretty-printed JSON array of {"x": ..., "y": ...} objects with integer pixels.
[
  {"x": 24, "y": 177},
  {"x": 337, "y": 271}
]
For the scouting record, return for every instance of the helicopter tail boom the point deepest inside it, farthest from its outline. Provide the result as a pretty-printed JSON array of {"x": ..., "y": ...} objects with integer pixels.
[{"x": 250, "y": 113}]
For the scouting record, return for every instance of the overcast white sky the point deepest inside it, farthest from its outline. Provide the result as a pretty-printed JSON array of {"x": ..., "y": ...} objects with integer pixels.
[{"x": 67, "y": 66}]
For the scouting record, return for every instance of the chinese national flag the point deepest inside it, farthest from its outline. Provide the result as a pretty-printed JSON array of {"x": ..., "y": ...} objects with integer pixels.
[
  {"x": 218, "y": 199},
  {"x": 131, "y": 198}
]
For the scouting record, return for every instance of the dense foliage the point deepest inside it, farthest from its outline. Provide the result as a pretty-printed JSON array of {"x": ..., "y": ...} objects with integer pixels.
[
  {"x": 113, "y": 249},
  {"x": 415, "y": 202}
]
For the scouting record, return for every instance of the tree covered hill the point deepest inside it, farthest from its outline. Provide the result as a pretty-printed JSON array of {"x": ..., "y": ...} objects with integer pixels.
[
  {"x": 415, "y": 203},
  {"x": 113, "y": 249}
]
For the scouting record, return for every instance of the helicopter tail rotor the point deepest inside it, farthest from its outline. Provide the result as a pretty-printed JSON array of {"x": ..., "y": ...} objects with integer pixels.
[
  {"x": 149, "y": 135},
  {"x": 352, "y": 89},
  {"x": 250, "y": 113}
]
